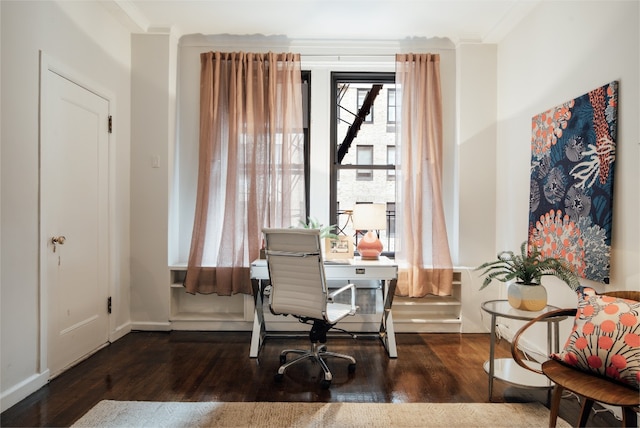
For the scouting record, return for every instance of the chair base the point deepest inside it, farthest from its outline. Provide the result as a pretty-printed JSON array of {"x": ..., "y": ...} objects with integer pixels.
[
  {"x": 317, "y": 353},
  {"x": 589, "y": 388}
]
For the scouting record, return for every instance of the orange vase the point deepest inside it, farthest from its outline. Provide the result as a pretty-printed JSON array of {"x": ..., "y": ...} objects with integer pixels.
[{"x": 370, "y": 246}]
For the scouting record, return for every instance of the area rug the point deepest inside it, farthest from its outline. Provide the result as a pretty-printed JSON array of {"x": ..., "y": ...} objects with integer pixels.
[{"x": 188, "y": 414}]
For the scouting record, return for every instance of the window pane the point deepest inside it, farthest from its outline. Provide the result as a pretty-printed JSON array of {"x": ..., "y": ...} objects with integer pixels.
[
  {"x": 378, "y": 190},
  {"x": 364, "y": 156},
  {"x": 391, "y": 106}
]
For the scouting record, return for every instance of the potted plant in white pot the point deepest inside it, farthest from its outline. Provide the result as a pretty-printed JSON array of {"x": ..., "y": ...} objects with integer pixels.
[
  {"x": 525, "y": 272},
  {"x": 333, "y": 246},
  {"x": 325, "y": 231}
]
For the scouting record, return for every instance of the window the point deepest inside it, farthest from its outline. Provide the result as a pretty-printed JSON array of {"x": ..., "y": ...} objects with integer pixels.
[
  {"x": 391, "y": 106},
  {"x": 362, "y": 94},
  {"x": 363, "y": 158}
]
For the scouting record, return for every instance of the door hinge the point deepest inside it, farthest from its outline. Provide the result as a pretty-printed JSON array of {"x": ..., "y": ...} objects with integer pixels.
[
  {"x": 110, "y": 124},
  {"x": 109, "y": 305}
]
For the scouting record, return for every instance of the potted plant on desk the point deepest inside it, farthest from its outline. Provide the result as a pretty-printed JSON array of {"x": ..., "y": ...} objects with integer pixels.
[
  {"x": 526, "y": 270},
  {"x": 335, "y": 246},
  {"x": 325, "y": 231}
]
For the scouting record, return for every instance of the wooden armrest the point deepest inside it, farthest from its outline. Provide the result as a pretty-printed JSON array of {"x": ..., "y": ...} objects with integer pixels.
[
  {"x": 516, "y": 338},
  {"x": 623, "y": 294}
]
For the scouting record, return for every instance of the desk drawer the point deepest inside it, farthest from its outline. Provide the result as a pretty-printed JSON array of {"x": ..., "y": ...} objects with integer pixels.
[
  {"x": 339, "y": 272},
  {"x": 354, "y": 273}
]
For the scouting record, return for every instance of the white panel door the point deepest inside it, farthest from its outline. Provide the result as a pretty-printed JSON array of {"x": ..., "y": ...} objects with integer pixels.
[{"x": 74, "y": 213}]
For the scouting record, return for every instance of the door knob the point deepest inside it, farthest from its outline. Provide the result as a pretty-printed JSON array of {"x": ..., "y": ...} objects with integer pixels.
[{"x": 58, "y": 240}]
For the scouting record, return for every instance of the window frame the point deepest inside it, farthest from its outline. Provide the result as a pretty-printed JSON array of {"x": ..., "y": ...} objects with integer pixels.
[
  {"x": 305, "y": 78},
  {"x": 391, "y": 173}
]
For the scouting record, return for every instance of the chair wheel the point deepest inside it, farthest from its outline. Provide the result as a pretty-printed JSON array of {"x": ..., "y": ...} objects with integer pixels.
[
  {"x": 352, "y": 368},
  {"x": 278, "y": 377},
  {"x": 283, "y": 359},
  {"x": 325, "y": 384}
]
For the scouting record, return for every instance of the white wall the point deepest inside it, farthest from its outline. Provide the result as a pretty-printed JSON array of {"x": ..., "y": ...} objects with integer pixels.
[
  {"x": 476, "y": 172},
  {"x": 85, "y": 38},
  {"x": 560, "y": 51},
  {"x": 153, "y": 101}
]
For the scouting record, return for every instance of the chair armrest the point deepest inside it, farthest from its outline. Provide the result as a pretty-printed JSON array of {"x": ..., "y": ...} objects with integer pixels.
[
  {"x": 516, "y": 338},
  {"x": 343, "y": 289}
]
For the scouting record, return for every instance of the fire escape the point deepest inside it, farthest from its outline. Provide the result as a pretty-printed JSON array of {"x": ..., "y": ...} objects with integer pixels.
[{"x": 364, "y": 110}]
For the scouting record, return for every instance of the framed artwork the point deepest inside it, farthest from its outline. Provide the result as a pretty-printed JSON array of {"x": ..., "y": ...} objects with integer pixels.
[
  {"x": 573, "y": 153},
  {"x": 340, "y": 247}
]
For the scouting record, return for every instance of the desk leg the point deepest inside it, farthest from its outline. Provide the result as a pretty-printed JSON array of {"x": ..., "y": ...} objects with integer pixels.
[
  {"x": 492, "y": 350},
  {"x": 387, "y": 331},
  {"x": 257, "y": 333}
]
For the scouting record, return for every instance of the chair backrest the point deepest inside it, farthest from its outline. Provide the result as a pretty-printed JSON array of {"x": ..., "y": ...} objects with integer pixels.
[
  {"x": 625, "y": 294},
  {"x": 296, "y": 272}
]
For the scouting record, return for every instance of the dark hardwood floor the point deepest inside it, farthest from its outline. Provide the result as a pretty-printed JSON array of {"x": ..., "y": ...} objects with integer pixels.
[{"x": 215, "y": 366}]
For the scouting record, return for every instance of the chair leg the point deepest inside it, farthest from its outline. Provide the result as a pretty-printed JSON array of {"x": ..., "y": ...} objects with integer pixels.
[
  {"x": 302, "y": 357},
  {"x": 555, "y": 405},
  {"x": 324, "y": 354},
  {"x": 629, "y": 417},
  {"x": 285, "y": 352},
  {"x": 327, "y": 373},
  {"x": 587, "y": 405}
]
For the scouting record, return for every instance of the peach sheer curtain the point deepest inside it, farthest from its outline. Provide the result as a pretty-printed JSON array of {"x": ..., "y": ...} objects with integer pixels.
[
  {"x": 424, "y": 256},
  {"x": 251, "y": 164}
]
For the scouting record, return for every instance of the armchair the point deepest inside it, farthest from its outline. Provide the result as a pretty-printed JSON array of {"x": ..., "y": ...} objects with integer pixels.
[{"x": 580, "y": 368}]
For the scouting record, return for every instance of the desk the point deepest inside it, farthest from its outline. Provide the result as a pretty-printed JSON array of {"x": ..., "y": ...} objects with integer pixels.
[
  {"x": 384, "y": 270},
  {"x": 506, "y": 369}
]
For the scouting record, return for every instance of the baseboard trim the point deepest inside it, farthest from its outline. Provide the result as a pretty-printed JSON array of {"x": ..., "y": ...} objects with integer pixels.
[
  {"x": 151, "y": 326},
  {"x": 22, "y": 390},
  {"x": 120, "y": 332}
]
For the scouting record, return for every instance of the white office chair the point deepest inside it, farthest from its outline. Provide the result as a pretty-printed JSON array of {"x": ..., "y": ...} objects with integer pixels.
[{"x": 298, "y": 287}]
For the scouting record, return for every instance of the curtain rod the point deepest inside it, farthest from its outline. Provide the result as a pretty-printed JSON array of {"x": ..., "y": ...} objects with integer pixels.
[
  {"x": 347, "y": 57},
  {"x": 317, "y": 47}
]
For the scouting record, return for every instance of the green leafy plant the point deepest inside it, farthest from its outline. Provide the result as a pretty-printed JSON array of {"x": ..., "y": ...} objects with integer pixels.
[
  {"x": 527, "y": 268},
  {"x": 325, "y": 231}
]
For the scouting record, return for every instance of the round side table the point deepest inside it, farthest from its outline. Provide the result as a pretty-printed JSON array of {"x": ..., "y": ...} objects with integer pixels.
[{"x": 506, "y": 369}]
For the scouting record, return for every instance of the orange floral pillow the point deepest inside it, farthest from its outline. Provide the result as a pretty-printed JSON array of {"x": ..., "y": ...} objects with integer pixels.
[{"x": 606, "y": 338}]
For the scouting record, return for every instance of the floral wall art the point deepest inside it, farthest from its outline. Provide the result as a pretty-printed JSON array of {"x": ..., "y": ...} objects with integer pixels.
[{"x": 573, "y": 152}]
